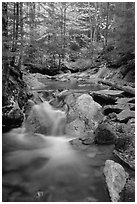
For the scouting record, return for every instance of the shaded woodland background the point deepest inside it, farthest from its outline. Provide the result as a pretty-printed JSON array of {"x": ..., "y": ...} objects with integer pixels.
[{"x": 59, "y": 36}]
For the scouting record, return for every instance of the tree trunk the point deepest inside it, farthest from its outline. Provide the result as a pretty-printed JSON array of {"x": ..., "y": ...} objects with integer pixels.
[
  {"x": 61, "y": 32},
  {"x": 64, "y": 30},
  {"x": 5, "y": 48},
  {"x": 107, "y": 24},
  {"x": 21, "y": 33},
  {"x": 15, "y": 34},
  {"x": 90, "y": 23},
  {"x": 91, "y": 30},
  {"x": 127, "y": 89}
]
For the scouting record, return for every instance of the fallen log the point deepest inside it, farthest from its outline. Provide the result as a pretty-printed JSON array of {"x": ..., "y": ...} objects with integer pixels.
[{"x": 126, "y": 89}]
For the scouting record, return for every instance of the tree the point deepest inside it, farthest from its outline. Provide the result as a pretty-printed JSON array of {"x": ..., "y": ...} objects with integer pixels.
[{"x": 5, "y": 48}]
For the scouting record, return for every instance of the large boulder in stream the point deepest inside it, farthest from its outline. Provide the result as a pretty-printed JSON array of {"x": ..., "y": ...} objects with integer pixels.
[
  {"x": 83, "y": 116},
  {"x": 115, "y": 179},
  {"x": 89, "y": 110}
]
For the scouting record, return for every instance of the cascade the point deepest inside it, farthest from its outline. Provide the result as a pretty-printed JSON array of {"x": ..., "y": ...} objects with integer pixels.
[{"x": 46, "y": 161}]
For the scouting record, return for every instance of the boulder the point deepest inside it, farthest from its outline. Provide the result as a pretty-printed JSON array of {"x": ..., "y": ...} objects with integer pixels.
[
  {"x": 125, "y": 115},
  {"x": 115, "y": 179},
  {"x": 76, "y": 128},
  {"x": 12, "y": 117},
  {"x": 104, "y": 134},
  {"x": 89, "y": 110},
  {"x": 84, "y": 115}
]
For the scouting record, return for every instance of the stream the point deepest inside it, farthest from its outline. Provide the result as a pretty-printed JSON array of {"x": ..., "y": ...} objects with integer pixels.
[{"x": 54, "y": 168}]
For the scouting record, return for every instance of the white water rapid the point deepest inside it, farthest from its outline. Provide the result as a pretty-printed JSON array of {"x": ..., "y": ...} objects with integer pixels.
[{"x": 45, "y": 162}]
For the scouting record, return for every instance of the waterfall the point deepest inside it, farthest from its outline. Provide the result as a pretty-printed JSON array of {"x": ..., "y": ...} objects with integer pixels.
[{"x": 43, "y": 159}]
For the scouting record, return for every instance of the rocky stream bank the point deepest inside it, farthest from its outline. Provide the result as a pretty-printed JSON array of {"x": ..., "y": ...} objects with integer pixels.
[{"x": 102, "y": 116}]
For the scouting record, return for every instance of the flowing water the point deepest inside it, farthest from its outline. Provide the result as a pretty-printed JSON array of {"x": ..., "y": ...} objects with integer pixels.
[
  {"x": 81, "y": 86},
  {"x": 42, "y": 168}
]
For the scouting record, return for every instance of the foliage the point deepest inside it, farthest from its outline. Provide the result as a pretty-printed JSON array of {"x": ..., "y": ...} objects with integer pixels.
[{"x": 48, "y": 33}]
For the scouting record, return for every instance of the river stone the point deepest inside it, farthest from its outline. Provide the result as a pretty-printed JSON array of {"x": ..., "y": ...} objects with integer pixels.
[
  {"x": 125, "y": 100},
  {"x": 104, "y": 134},
  {"x": 125, "y": 115},
  {"x": 115, "y": 179}
]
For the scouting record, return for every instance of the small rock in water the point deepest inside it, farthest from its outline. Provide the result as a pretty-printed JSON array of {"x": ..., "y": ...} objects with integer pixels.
[{"x": 115, "y": 179}]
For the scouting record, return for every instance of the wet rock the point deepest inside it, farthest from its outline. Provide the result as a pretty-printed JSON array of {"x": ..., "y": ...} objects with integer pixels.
[
  {"x": 83, "y": 115},
  {"x": 131, "y": 122},
  {"x": 104, "y": 134},
  {"x": 32, "y": 81},
  {"x": 12, "y": 117},
  {"x": 72, "y": 115},
  {"x": 124, "y": 142},
  {"x": 127, "y": 157},
  {"x": 115, "y": 179},
  {"x": 89, "y": 110},
  {"x": 71, "y": 98},
  {"x": 28, "y": 106},
  {"x": 125, "y": 100},
  {"x": 75, "y": 128},
  {"x": 76, "y": 142},
  {"x": 129, "y": 191},
  {"x": 88, "y": 139},
  {"x": 103, "y": 99},
  {"x": 125, "y": 115},
  {"x": 115, "y": 108}
]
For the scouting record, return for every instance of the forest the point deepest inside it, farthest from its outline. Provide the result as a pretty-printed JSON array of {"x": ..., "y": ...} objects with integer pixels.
[{"x": 68, "y": 70}]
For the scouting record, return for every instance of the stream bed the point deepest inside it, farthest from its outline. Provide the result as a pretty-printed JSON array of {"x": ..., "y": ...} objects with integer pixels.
[{"x": 68, "y": 183}]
